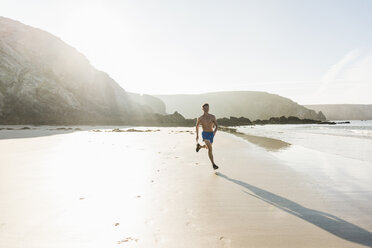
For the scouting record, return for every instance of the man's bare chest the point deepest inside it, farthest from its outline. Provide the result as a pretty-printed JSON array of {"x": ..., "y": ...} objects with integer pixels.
[{"x": 206, "y": 120}]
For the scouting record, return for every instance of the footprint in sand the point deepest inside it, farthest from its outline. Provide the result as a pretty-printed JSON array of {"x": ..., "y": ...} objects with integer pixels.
[
  {"x": 226, "y": 242},
  {"x": 116, "y": 224},
  {"x": 129, "y": 239}
]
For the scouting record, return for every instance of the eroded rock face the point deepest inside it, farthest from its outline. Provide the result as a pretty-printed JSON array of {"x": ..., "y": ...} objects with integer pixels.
[{"x": 44, "y": 81}]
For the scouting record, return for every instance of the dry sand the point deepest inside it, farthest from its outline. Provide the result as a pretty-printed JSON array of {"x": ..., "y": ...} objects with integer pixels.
[{"x": 151, "y": 189}]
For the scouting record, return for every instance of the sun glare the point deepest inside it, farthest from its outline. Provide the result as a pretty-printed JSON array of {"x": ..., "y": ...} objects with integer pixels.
[{"x": 91, "y": 28}]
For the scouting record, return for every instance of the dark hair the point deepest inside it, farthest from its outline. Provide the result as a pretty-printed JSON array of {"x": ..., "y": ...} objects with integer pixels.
[{"x": 205, "y": 104}]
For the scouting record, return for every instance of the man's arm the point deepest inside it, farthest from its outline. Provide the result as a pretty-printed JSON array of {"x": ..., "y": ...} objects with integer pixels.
[
  {"x": 216, "y": 125},
  {"x": 197, "y": 129}
]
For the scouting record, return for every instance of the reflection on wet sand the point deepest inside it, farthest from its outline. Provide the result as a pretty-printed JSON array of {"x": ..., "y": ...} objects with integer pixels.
[{"x": 264, "y": 142}]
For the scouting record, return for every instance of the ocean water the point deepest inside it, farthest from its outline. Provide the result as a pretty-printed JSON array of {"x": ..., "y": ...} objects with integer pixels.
[{"x": 352, "y": 140}]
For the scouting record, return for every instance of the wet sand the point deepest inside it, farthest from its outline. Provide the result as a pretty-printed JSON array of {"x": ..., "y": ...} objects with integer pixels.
[{"x": 151, "y": 189}]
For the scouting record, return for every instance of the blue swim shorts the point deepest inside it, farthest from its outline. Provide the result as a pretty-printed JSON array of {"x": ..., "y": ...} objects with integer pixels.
[{"x": 208, "y": 136}]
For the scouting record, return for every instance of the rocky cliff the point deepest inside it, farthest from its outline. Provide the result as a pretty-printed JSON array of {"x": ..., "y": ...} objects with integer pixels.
[{"x": 45, "y": 81}]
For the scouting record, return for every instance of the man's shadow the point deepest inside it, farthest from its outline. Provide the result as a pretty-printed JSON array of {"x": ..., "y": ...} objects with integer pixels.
[{"x": 327, "y": 222}]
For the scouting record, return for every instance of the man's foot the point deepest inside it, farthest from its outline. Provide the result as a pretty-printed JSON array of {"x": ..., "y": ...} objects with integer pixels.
[
  {"x": 215, "y": 167},
  {"x": 198, "y": 146}
]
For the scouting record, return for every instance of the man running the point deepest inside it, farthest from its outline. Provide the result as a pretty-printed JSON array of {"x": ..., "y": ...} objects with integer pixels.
[{"x": 207, "y": 121}]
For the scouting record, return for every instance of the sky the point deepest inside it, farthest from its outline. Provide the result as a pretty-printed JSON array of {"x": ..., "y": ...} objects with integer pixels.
[{"x": 313, "y": 52}]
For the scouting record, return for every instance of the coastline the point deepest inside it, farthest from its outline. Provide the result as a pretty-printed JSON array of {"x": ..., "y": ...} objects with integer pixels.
[{"x": 151, "y": 189}]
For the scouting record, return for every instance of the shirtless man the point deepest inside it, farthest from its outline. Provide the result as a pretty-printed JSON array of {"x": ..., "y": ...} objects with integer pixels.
[{"x": 207, "y": 121}]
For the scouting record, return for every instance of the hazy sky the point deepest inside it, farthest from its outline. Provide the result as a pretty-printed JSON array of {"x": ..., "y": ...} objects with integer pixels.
[{"x": 312, "y": 51}]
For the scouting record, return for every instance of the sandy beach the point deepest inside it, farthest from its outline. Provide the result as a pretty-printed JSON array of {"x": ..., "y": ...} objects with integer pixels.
[{"x": 84, "y": 188}]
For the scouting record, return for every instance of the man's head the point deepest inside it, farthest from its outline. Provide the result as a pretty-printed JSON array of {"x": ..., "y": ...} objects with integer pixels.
[{"x": 205, "y": 107}]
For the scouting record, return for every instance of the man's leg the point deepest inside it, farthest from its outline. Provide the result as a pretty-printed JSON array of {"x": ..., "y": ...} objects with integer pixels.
[{"x": 209, "y": 147}]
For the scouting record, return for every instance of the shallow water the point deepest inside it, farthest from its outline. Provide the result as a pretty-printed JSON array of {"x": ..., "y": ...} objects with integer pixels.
[{"x": 352, "y": 140}]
